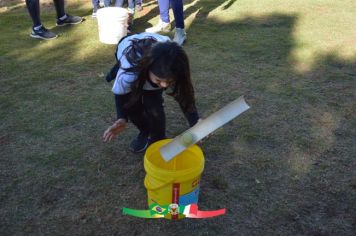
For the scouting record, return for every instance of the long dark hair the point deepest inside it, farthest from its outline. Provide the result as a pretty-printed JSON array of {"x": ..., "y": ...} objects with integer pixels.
[
  {"x": 167, "y": 60},
  {"x": 134, "y": 53}
]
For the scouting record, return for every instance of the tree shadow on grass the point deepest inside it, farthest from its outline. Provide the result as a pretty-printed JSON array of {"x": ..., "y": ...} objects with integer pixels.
[
  {"x": 201, "y": 9},
  {"x": 205, "y": 7},
  {"x": 141, "y": 23},
  {"x": 272, "y": 172},
  {"x": 228, "y": 4},
  {"x": 10, "y": 3}
]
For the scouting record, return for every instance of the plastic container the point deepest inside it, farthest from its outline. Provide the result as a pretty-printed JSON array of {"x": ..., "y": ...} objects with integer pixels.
[
  {"x": 175, "y": 182},
  {"x": 112, "y": 24}
]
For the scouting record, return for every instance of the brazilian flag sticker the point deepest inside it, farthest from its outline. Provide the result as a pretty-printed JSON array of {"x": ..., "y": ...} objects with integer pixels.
[{"x": 157, "y": 209}]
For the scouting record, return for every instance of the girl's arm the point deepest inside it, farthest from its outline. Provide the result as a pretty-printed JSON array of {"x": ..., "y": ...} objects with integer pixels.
[
  {"x": 120, "y": 100},
  {"x": 121, "y": 122},
  {"x": 191, "y": 114},
  {"x": 114, "y": 130}
]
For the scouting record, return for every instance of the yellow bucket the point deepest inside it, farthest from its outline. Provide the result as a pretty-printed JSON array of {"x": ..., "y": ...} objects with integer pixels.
[{"x": 175, "y": 182}]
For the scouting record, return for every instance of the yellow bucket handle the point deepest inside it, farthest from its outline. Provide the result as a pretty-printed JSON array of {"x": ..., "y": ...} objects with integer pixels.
[{"x": 147, "y": 185}]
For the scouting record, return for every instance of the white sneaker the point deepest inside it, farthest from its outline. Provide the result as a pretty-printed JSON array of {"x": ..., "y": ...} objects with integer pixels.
[
  {"x": 180, "y": 36},
  {"x": 160, "y": 27},
  {"x": 131, "y": 11}
]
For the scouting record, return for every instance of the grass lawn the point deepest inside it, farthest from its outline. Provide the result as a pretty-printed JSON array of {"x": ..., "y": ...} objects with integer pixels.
[{"x": 285, "y": 167}]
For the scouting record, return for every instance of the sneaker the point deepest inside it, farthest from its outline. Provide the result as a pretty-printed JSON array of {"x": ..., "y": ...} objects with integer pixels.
[
  {"x": 43, "y": 33},
  {"x": 138, "y": 8},
  {"x": 180, "y": 36},
  {"x": 140, "y": 143},
  {"x": 131, "y": 11},
  {"x": 160, "y": 27},
  {"x": 94, "y": 14},
  {"x": 70, "y": 20}
]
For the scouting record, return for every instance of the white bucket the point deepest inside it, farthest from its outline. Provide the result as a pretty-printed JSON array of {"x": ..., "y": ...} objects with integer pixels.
[{"x": 112, "y": 24}]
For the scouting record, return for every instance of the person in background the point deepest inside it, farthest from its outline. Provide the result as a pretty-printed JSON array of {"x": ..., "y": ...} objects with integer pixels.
[
  {"x": 38, "y": 30},
  {"x": 147, "y": 65},
  {"x": 163, "y": 25},
  {"x": 96, "y": 6},
  {"x": 131, "y": 10}
]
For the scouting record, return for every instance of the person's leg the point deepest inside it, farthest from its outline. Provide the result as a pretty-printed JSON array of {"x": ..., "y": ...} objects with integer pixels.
[
  {"x": 154, "y": 111},
  {"x": 119, "y": 3},
  {"x": 59, "y": 5},
  {"x": 135, "y": 112},
  {"x": 96, "y": 6},
  {"x": 138, "y": 5},
  {"x": 163, "y": 24},
  {"x": 136, "y": 115},
  {"x": 180, "y": 35},
  {"x": 38, "y": 30},
  {"x": 131, "y": 5},
  {"x": 164, "y": 10},
  {"x": 33, "y": 7},
  {"x": 107, "y": 3},
  {"x": 62, "y": 17},
  {"x": 177, "y": 7}
]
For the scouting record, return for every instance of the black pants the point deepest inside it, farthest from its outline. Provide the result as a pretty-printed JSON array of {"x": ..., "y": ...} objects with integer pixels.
[
  {"x": 148, "y": 114},
  {"x": 33, "y": 7}
]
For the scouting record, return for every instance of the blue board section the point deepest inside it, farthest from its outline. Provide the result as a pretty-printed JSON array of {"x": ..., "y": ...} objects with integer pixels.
[{"x": 189, "y": 198}]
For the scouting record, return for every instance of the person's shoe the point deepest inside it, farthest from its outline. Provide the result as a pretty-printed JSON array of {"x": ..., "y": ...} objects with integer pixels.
[
  {"x": 138, "y": 8},
  {"x": 43, "y": 33},
  {"x": 180, "y": 36},
  {"x": 160, "y": 27},
  {"x": 131, "y": 11},
  {"x": 69, "y": 20},
  {"x": 101, "y": 4},
  {"x": 140, "y": 143},
  {"x": 93, "y": 15}
]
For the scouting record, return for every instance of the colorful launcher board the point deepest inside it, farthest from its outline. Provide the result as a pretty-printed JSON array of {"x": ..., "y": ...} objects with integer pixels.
[{"x": 173, "y": 211}]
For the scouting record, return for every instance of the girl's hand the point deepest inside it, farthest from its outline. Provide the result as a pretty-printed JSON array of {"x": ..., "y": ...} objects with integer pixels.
[{"x": 114, "y": 130}]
